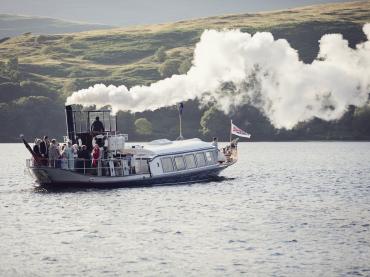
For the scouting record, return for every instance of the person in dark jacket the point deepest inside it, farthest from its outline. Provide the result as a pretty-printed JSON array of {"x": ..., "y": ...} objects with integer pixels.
[
  {"x": 97, "y": 126},
  {"x": 36, "y": 147},
  {"x": 44, "y": 149},
  {"x": 36, "y": 150},
  {"x": 84, "y": 159}
]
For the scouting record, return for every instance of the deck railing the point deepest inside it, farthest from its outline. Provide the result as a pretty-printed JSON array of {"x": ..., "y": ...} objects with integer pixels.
[{"x": 103, "y": 167}]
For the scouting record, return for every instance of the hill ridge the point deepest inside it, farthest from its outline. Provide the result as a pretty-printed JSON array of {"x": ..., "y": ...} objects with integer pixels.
[
  {"x": 16, "y": 24},
  {"x": 42, "y": 70}
]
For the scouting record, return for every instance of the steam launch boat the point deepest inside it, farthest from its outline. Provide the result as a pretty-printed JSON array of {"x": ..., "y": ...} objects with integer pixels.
[{"x": 103, "y": 158}]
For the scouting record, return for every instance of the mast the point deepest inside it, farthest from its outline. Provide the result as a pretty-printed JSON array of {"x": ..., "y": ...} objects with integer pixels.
[
  {"x": 180, "y": 116},
  {"x": 180, "y": 107}
]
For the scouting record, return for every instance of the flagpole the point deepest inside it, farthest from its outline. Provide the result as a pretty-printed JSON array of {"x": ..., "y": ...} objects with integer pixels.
[{"x": 180, "y": 126}]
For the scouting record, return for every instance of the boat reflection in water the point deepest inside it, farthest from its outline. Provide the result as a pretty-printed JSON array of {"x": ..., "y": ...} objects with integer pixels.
[{"x": 160, "y": 162}]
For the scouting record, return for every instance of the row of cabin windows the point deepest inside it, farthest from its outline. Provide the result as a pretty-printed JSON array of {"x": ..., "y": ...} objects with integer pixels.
[{"x": 188, "y": 161}]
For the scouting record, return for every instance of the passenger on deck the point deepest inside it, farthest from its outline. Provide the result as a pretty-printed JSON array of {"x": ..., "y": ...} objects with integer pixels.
[
  {"x": 36, "y": 147},
  {"x": 234, "y": 143},
  {"x": 54, "y": 153},
  {"x": 69, "y": 155},
  {"x": 97, "y": 126},
  {"x": 95, "y": 156},
  {"x": 215, "y": 142},
  {"x": 75, "y": 148},
  {"x": 63, "y": 157},
  {"x": 44, "y": 149},
  {"x": 84, "y": 159}
]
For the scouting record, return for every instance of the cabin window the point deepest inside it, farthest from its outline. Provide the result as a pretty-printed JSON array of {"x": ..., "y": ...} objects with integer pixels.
[
  {"x": 190, "y": 161},
  {"x": 210, "y": 157},
  {"x": 200, "y": 159},
  {"x": 167, "y": 165},
  {"x": 179, "y": 162}
]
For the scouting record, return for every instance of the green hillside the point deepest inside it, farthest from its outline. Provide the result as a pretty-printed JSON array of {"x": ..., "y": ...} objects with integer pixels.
[
  {"x": 39, "y": 71},
  {"x": 14, "y": 25}
]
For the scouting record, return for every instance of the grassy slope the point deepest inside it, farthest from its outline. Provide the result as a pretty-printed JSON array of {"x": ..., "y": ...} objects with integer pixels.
[
  {"x": 125, "y": 55},
  {"x": 13, "y": 25}
]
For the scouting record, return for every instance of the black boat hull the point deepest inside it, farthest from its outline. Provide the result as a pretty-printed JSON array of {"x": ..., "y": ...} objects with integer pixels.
[{"x": 52, "y": 178}]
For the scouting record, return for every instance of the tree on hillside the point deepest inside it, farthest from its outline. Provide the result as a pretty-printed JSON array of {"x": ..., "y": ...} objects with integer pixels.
[
  {"x": 213, "y": 123},
  {"x": 185, "y": 66},
  {"x": 169, "y": 68},
  {"x": 10, "y": 69},
  {"x": 126, "y": 123},
  {"x": 361, "y": 120},
  {"x": 5, "y": 112},
  {"x": 35, "y": 116},
  {"x": 12, "y": 64},
  {"x": 31, "y": 88},
  {"x": 9, "y": 91},
  {"x": 160, "y": 54},
  {"x": 143, "y": 126}
]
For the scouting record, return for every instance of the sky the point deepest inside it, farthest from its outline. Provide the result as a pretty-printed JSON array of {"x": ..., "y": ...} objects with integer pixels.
[{"x": 137, "y": 12}]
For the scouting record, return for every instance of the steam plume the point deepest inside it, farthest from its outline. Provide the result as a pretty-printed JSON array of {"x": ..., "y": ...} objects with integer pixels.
[{"x": 232, "y": 68}]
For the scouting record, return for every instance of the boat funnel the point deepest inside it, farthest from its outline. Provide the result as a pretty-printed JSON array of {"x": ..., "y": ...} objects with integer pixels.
[{"x": 70, "y": 123}]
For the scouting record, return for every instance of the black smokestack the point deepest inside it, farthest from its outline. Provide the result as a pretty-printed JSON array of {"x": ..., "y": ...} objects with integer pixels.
[{"x": 70, "y": 123}]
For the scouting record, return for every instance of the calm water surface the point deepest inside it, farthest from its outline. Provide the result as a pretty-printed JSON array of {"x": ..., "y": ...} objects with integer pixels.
[{"x": 285, "y": 209}]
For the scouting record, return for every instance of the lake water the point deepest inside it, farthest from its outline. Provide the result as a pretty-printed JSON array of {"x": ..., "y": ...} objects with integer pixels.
[{"x": 285, "y": 209}]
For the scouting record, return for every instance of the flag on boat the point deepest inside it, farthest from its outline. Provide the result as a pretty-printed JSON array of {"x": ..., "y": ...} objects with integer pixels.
[
  {"x": 181, "y": 107},
  {"x": 238, "y": 132}
]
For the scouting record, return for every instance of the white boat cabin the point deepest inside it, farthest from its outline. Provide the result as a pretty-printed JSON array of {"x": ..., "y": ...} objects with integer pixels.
[{"x": 174, "y": 156}]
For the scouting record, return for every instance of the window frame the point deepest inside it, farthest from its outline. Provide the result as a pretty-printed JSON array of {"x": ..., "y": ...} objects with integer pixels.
[
  {"x": 204, "y": 159},
  {"x": 211, "y": 153},
  {"x": 183, "y": 161},
  {"x": 194, "y": 160},
  {"x": 172, "y": 165}
]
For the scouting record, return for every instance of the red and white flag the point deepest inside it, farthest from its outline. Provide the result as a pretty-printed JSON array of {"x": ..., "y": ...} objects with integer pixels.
[{"x": 239, "y": 132}]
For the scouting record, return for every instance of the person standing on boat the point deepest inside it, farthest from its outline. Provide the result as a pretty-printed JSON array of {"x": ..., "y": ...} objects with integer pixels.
[
  {"x": 36, "y": 150},
  {"x": 215, "y": 142},
  {"x": 95, "y": 157},
  {"x": 234, "y": 143},
  {"x": 63, "y": 157},
  {"x": 97, "y": 126},
  {"x": 69, "y": 154},
  {"x": 75, "y": 149},
  {"x": 36, "y": 147},
  {"x": 83, "y": 159},
  {"x": 44, "y": 149},
  {"x": 54, "y": 153}
]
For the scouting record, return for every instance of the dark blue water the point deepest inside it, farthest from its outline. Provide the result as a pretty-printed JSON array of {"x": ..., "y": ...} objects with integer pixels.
[{"x": 285, "y": 209}]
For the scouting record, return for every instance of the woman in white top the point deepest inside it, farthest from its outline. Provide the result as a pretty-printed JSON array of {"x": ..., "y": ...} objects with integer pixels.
[{"x": 69, "y": 153}]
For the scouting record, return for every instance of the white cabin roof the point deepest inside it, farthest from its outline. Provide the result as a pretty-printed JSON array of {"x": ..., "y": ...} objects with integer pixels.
[
  {"x": 165, "y": 146},
  {"x": 138, "y": 152}
]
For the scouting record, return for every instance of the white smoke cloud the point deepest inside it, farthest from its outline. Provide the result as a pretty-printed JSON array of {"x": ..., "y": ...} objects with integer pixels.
[{"x": 232, "y": 68}]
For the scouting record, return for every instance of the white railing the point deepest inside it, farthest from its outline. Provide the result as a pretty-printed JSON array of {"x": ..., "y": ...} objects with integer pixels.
[{"x": 104, "y": 167}]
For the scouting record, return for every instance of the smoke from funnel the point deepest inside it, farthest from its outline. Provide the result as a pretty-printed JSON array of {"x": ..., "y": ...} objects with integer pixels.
[{"x": 231, "y": 68}]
